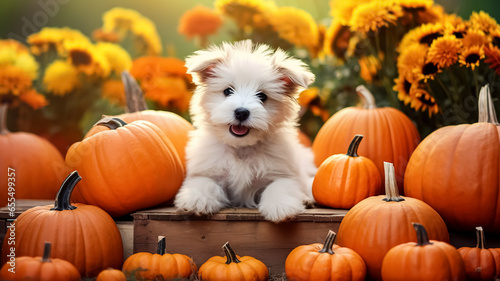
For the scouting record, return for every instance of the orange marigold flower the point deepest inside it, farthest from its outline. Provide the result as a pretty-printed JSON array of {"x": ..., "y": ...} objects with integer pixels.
[
  {"x": 492, "y": 57},
  {"x": 199, "y": 21},
  {"x": 33, "y": 99},
  {"x": 14, "y": 80},
  {"x": 148, "y": 66},
  {"x": 444, "y": 51},
  {"x": 474, "y": 37}
]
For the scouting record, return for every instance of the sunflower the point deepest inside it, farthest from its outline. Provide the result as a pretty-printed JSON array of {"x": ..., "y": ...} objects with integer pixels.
[
  {"x": 424, "y": 34},
  {"x": 311, "y": 99},
  {"x": 54, "y": 38},
  {"x": 119, "y": 60},
  {"x": 61, "y": 77},
  {"x": 423, "y": 101},
  {"x": 416, "y": 5},
  {"x": 402, "y": 86},
  {"x": 374, "y": 15},
  {"x": 475, "y": 37},
  {"x": 337, "y": 39},
  {"x": 114, "y": 91},
  {"x": 495, "y": 37},
  {"x": 454, "y": 25},
  {"x": 411, "y": 58},
  {"x": 483, "y": 21},
  {"x": 420, "y": 11},
  {"x": 247, "y": 13},
  {"x": 86, "y": 58},
  {"x": 432, "y": 14},
  {"x": 296, "y": 26},
  {"x": 444, "y": 51},
  {"x": 426, "y": 71},
  {"x": 472, "y": 56},
  {"x": 492, "y": 57},
  {"x": 199, "y": 21},
  {"x": 15, "y": 54},
  {"x": 342, "y": 10}
]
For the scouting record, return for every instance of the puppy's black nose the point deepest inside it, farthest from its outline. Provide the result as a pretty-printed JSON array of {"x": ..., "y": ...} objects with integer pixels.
[{"x": 241, "y": 114}]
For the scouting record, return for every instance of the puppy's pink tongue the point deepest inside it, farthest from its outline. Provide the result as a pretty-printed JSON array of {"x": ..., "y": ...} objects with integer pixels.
[{"x": 239, "y": 130}]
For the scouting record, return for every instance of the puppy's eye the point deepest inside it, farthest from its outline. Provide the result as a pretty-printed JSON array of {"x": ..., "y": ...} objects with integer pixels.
[
  {"x": 262, "y": 96},
  {"x": 228, "y": 92}
]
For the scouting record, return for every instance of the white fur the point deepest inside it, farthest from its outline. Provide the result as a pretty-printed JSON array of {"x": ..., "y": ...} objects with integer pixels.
[{"x": 268, "y": 168}]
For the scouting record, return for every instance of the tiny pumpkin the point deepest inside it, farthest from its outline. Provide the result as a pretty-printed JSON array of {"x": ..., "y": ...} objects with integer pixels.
[
  {"x": 317, "y": 262},
  {"x": 233, "y": 268},
  {"x": 378, "y": 223},
  {"x": 424, "y": 260},
  {"x": 111, "y": 274},
  {"x": 343, "y": 180},
  {"x": 481, "y": 263},
  {"x": 74, "y": 231},
  {"x": 147, "y": 266},
  {"x": 39, "y": 268}
]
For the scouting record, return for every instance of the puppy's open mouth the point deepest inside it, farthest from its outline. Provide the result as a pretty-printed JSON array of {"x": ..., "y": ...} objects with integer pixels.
[{"x": 239, "y": 130}]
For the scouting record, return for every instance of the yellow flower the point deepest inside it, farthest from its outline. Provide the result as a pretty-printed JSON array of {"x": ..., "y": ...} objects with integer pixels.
[
  {"x": 374, "y": 15},
  {"x": 444, "y": 51},
  {"x": 247, "y": 13},
  {"x": 411, "y": 58},
  {"x": 337, "y": 39},
  {"x": 86, "y": 58},
  {"x": 199, "y": 21},
  {"x": 472, "y": 56},
  {"x": 424, "y": 34},
  {"x": 425, "y": 71},
  {"x": 415, "y": 4},
  {"x": 483, "y": 21},
  {"x": 114, "y": 91},
  {"x": 296, "y": 26},
  {"x": 148, "y": 40},
  {"x": 118, "y": 59},
  {"x": 15, "y": 54},
  {"x": 432, "y": 14},
  {"x": 54, "y": 38},
  {"x": 34, "y": 99},
  {"x": 341, "y": 10},
  {"x": 369, "y": 67},
  {"x": 423, "y": 101},
  {"x": 475, "y": 37},
  {"x": 403, "y": 86},
  {"x": 14, "y": 80},
  {"x": 60, "y": 77},
  {"x": 120, "y": 20},
  {"x": 102, "y": 36}
]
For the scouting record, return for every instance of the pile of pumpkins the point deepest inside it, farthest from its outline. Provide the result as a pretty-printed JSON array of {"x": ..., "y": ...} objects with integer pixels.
[{"x": 136, "y": 160}]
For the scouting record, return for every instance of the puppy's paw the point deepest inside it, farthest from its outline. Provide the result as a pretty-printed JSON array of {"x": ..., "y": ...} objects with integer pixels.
[
  {"x": 200, "y": 195},
  {"x": 281, "y": 200}
]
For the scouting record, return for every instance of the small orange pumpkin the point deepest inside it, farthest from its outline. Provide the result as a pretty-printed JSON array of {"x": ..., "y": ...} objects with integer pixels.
[
  {"x": 317, "y": 262},
  {"x": 343, "y": 180},
  {"x": 84, "y": 235},
  {"x": 39, "y": 268},
  {"x": 111, "y": 274},
  {"x": 233, "y": 268},
  {"x": 147, "y": 266},
  {"x": 378, "y": 223},
  {"x": 424, "y": 260},
  {"x": 481, "y": 263},
  {"x": 127, "y": 167}
]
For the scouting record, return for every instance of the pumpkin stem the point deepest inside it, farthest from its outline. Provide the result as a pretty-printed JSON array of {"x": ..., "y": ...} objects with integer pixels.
[
  {"x": 327, "y": 246},
  {"x": 162, "y": 245},
  {"x": 353, "y": 147},
  {"x": 63, "y": 196},
  {"x": 133, "y": 93},
  {"x": 486, "y": 109},
  {"x": 230, "y": 255},
  {"x": 480, "y": 238},
  {"x": 366, "y": 96},
  {"x": 46, "y": 252},
  {"x": 422, "y": 237},
  {"x": 391, "y": 186},
  {"x": 3, "y": 119},
  {"x": 111, "y": 122}
]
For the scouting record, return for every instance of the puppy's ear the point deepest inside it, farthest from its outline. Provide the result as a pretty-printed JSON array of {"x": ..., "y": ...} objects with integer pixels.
[
  {"x": 295, "y": 72},
  {"x": 200, "y": 65}
]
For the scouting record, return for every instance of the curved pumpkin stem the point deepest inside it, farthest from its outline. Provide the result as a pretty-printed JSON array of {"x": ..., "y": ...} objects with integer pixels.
[
  {"x": 111, "y": 122},
  {"x": 480, "y": 238},
  {"x": 353, "y": 147},
  {"x": 486, "y": 109},
  {"x": 162, "y": 245},
  {"x": 230, "y": 254},
  {"x": 63, "y": 197},
  {"x": 366, "y": 96},
  {"x": 3, "y": 119},
  {"x": 327, "y": 246},
  {"x": 391, "y": 186},
  {"x": 133, "y": 93},
  {"x": 46, "y": 252},
  {"x": 422, "y": 237}
]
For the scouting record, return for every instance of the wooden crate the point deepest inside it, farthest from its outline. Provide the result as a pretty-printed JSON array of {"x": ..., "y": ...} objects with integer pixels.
[{"x": 202, "y": 237}]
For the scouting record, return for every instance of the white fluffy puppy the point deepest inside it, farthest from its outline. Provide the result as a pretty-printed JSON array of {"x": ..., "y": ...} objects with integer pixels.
[{"x": 245, "y": 151}]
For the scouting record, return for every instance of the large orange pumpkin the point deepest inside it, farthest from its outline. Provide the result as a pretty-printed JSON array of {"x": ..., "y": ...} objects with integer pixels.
[
  {"x": 378, "y": 223},
  {"x": 83, "y": 235},
  {"x": 127, "y": 167},
  {"x": 173, "y": 125},
  {"x": 425, "y": 259},
  {"x": 456, "y": 171},
  {"x": 390, "y": 135},
  {"x": 39, "y": 268},
  {"x": 317, "y": 262},
  {"x": 481, "y": 263},
  {"x": 233, "y": 268},
  {"x": 32, "y": 168},
  {"x": 147, "y": 266},
  {"x": 342, "y": 180}
]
